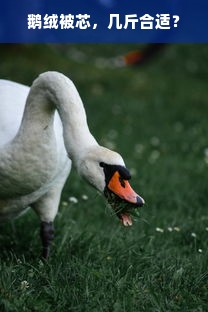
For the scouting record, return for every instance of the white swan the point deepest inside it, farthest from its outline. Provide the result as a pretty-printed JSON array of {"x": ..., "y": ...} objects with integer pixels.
[{"x": 42, "y": 131}]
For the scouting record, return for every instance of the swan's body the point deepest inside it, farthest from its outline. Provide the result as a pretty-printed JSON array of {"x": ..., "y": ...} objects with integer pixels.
[
  {"x": 32, "y": 167},
  {"x": 43, "y": 129}
]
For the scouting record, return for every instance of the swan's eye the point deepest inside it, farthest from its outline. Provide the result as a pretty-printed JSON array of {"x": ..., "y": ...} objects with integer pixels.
[{"x": 102, "y": 164}]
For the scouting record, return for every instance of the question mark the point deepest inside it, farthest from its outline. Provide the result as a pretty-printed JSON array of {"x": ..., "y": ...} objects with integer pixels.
[{"x": 176, "y": 17}]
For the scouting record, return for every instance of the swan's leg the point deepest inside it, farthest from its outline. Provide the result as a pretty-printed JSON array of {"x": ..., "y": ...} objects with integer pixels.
[
  {"x": 46, "y": 234},
  {"x": 46, "y": 208}
]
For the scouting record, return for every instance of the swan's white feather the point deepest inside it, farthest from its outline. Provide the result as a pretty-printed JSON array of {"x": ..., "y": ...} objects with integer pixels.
[
  {"x": 13, "y": 97},
  {"x": 34, "y": 147},
  {"x": 12, "y": 102}
]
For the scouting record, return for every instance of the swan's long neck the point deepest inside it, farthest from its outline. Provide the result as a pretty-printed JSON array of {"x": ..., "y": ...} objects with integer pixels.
[{"x": 52, "y": 91}]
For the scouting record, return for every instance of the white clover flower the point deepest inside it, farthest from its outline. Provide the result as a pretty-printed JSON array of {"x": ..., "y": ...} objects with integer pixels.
[
  {"x": 193, "y": 234},
  {"x": 84, "y": 197},
  {"x": 158, "y": 229},
  {"x": 155, "y": 141},
  {"x": 206, "y": 155},
  {"x": 154, "y": 156},
  {"x": 176, "y": 228},
  {"x": 64, "y": 203},
  {"x": 206, "y": 152},
  {"x": 133, "y": 171},
  {"x": 139, "y": 148},
  {"x": 73, "y": 200},
  {"x": 200, "y": 250},
  {"x": 170, "y": 229},
  {"x": 206, "y": 229},
  {"x": 24, "y": 285},
  {"x": 206, "y": 160}
]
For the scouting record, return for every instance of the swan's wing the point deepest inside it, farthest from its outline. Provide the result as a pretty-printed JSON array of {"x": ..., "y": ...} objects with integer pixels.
[{"x": 12, "y": 102}]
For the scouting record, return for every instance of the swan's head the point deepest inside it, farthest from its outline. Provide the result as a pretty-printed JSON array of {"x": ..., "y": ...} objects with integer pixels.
[{"x": 106, "y": 171}]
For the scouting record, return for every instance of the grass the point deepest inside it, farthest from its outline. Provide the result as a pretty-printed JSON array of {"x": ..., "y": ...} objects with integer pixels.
[{"x": 156, "y": 117}]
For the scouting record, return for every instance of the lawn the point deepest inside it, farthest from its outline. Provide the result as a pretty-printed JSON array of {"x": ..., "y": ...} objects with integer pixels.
[{"x": 156, "y": 117}]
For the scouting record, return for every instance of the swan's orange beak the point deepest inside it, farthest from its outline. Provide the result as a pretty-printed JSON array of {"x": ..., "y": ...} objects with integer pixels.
[{"x": 122, "y": 188}]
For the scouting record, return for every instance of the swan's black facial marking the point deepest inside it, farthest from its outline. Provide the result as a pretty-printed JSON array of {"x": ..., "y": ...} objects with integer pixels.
[{"x": 109, "y": 171}]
